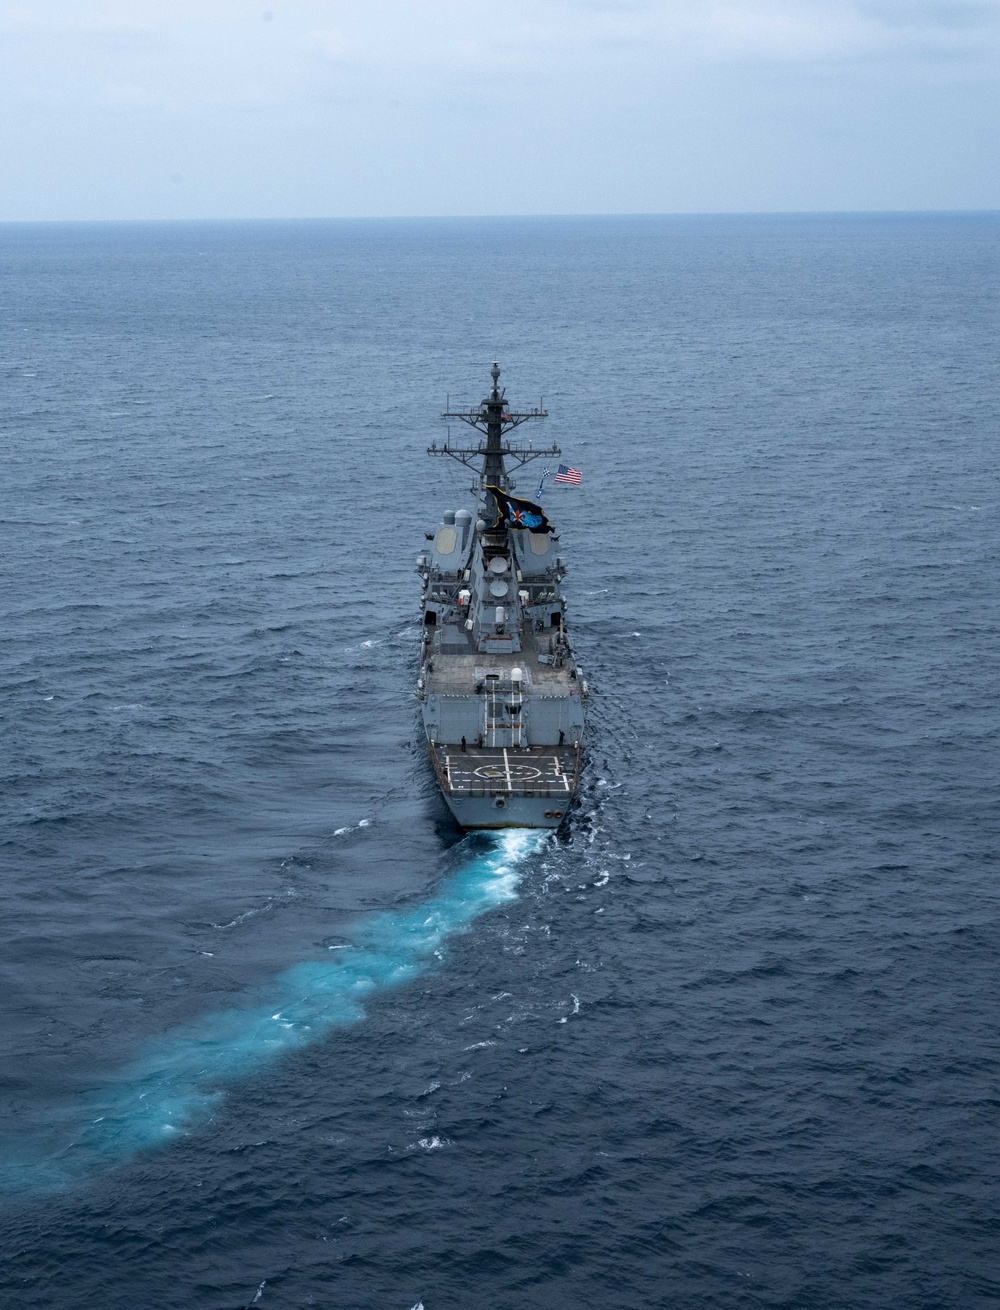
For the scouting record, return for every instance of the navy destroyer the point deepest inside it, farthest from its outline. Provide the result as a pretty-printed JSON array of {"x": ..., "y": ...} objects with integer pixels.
[{"x": 500, "y": 692}]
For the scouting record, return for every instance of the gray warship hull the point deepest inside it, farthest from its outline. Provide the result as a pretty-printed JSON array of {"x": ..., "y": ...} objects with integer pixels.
[
  {"x": 529, "y": 788},
  {"x": 501, "y": 694}
]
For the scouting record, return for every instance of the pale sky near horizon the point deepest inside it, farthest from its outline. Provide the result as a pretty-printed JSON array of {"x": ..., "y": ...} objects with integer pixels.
[{"x": 111, "y": 109}]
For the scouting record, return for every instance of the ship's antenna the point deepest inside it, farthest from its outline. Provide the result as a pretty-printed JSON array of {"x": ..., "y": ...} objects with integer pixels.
[
  {"x": 493, "y": 468},
  {"x": 494, "y": 418}
]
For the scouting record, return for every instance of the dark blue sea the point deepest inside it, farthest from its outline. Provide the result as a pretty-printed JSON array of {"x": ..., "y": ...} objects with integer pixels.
[{"x": 273, "y": 1032}]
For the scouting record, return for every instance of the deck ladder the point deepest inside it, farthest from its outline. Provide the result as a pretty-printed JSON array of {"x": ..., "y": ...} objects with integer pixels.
[{"x": 495, "y": 718}]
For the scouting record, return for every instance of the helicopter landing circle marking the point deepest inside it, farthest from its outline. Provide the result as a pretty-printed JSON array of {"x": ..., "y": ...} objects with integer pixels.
[{"x": 518, "y": 772}]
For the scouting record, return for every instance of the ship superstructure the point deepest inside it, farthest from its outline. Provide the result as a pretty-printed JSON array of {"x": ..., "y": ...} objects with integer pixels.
[{"x": 500, "y": 692}]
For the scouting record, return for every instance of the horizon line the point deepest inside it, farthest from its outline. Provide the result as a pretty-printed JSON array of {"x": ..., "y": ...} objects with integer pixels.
[{"x": 459, "y": 218}]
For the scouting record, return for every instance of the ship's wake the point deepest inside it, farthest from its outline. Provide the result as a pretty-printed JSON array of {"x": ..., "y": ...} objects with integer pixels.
[{"x": 178, "y": 1083}]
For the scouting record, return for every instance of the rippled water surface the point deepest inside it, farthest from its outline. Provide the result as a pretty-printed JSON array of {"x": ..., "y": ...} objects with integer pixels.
[{"x": 270, "y": 1028}]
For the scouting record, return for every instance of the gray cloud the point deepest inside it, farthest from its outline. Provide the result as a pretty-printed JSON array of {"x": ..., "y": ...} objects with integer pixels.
[{"x": 339, "y": 106}]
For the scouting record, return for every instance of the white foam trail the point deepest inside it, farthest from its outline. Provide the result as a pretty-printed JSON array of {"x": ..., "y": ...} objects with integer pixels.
[{"x": 179, "y": 1080}]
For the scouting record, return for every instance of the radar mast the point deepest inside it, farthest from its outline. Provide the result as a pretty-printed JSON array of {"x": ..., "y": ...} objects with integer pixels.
[{"x": 495, "y": 420}]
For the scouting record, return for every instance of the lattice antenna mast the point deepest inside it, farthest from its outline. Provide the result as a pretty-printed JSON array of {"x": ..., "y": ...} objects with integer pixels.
[{"x": 495, "y": 419}]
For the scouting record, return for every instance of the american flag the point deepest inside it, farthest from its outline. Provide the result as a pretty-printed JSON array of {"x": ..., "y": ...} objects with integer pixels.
[{"x": 565, "y": 474}]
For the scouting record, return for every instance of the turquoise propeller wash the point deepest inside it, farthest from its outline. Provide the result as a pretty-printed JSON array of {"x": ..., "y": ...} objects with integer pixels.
[{"x": 174, "y": 1087}]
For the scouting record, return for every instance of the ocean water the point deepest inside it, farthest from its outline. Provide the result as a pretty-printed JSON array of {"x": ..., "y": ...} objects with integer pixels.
[{"x": 272, "y": 1031}]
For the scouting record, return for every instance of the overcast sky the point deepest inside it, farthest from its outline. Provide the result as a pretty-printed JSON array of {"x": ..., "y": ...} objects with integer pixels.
[{"x": 300, "y": 108}]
